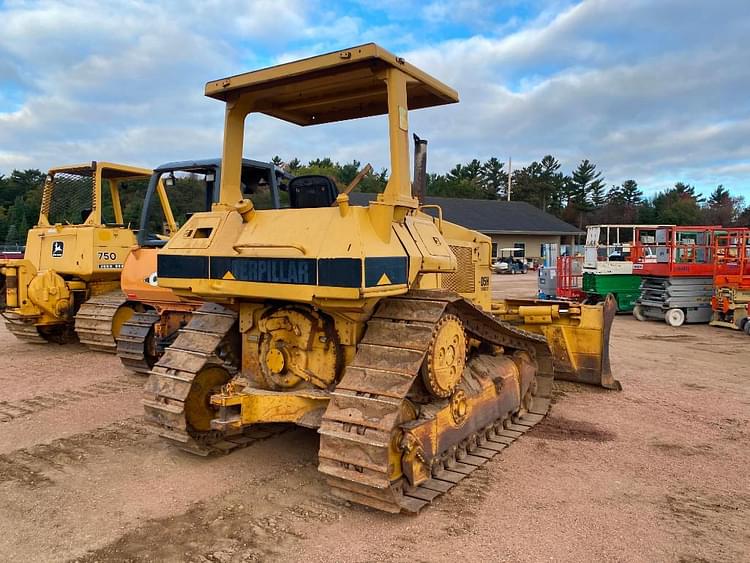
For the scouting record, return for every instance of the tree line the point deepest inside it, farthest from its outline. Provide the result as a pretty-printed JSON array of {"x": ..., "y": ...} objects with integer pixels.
[
  {"x": 20, "y": 199},
  {"x": 581, "y": 197},
  {"x": 21, "y": 196}
]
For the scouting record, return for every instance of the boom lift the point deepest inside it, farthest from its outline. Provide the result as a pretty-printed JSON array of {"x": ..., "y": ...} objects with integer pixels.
[
  {"x": 372, "y": 324},
  {"x": 73, "y": 259}
]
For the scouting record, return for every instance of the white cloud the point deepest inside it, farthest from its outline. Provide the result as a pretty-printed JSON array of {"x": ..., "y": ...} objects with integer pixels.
[
  {"x": 654, "y": 91},
  {"x": 677, "y": 111}
]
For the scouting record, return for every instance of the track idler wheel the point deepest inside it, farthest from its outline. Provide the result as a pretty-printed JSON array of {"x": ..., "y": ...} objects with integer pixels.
[
  {"x": 123, "y": 314},
  {"x": 198, "y": 409},
  {"x": 446, "y": 357}
]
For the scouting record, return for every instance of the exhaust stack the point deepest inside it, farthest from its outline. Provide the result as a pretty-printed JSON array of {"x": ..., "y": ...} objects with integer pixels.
[{"x": 419, "y": 185}]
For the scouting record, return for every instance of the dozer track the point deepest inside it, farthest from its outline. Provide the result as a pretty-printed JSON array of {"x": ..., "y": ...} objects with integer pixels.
[
  {"x": 364, "y": 414},
  {"x": 24, "y": 330},
  {"x": 133, "y": 341},
  {"x": 171, "y": 380},
  {"x": 363, "y": 417},
  {"x": 93, "y": 323}
]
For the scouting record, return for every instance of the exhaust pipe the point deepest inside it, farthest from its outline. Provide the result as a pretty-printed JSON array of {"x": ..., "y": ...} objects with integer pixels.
[{"x": 419, "y": 185}]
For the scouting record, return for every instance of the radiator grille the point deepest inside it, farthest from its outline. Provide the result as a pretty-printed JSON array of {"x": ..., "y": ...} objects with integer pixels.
[{"x": 462, "y": 281}]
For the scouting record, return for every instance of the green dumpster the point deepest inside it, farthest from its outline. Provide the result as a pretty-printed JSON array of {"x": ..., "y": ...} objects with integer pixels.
[{"x": 624, "y": 287}]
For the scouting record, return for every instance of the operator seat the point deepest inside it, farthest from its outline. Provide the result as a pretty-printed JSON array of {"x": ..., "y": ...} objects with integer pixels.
[{"x": 312, "y": 191}]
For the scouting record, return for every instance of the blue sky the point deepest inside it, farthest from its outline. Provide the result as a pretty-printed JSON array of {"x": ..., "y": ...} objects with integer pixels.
[{"x": 657, "y": 91}]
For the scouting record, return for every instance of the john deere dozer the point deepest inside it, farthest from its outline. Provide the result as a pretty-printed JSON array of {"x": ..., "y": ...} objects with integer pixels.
[
  {"x": 372, "y": 324},
  {"x": 71, "y": 268},
  {"x": 182, "y": 188}
]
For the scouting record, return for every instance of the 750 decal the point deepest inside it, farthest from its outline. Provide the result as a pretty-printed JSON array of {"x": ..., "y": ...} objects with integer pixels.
[{"x": 109, "y": 261}]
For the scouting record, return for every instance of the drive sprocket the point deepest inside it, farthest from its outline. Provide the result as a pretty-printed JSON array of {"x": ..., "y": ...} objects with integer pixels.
[{"x": 446, "y": 357}]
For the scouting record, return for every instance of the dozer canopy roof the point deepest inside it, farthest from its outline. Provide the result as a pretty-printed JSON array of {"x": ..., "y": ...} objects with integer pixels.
[
  {"x": 110, "y": 170},
  {"x": 332, "y": 87},
  {"x": 209, "y": 163}
]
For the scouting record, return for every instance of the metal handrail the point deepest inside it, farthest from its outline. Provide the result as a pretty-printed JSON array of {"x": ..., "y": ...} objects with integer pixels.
[{"x": 297, "y": 247}]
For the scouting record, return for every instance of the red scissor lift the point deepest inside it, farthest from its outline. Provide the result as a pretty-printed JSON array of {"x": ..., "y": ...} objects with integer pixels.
[
  {"x": 570, "y": 278},
  {"x": 731, "y": 299},
  {"x": 676, "y": 266}
]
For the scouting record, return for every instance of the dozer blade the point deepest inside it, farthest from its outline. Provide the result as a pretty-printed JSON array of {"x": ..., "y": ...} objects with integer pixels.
[
  {"x": 577, "y": 335},
  {"x": 22, "y": 328}
]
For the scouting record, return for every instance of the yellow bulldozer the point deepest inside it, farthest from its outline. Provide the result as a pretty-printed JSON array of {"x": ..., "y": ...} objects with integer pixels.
[
  {"x": 374, "y": 325},
  {"x": 69, "y": 275}
]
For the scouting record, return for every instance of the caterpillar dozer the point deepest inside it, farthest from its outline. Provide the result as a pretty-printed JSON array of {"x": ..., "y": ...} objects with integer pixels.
[
  {"x": 183, "y": 188},
  {"x": 73, "y": 259},
  {"x": 372, "y": 324}
]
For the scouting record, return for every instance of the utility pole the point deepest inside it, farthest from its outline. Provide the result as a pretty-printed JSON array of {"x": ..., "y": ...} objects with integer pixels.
[{"x": 510, "y": 173}]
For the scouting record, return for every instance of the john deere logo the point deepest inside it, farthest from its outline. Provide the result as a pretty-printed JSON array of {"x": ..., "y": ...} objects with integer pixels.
[{"x": 57, "y": 248}]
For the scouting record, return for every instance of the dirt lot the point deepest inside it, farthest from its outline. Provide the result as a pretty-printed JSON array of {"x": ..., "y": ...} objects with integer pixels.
[{"x": 657, "y": 472}]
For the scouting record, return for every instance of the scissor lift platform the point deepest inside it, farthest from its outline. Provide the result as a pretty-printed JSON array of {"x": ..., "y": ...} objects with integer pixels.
[{"x": 677, "y": 266}]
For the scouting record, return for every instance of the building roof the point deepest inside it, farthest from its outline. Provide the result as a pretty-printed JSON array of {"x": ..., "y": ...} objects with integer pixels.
[{"x": 492, "y": 217}]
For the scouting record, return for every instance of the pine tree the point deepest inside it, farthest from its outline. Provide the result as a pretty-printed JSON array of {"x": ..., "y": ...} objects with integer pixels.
[
  {"x": 11, "y": 239},
  {"x": 3, "y": 222},
  {"x": 526, "y": 184},
  {"x": 686, "y": 191},
  {"x": 349, "y": 171},
  {"x": 720, "y": 196},
  {"x": 457, "y": 173},
  {"x": 615, "y": 196},
  {"x": 473, "y": 170},
  {"x": 551, "y": 185},
  {"x": 373, "y": 182},
  {"x": 596, "y": 194},
  {"x": 721, "y": 208},
  {"x": 321, "y": 163},
  {"x": 17, "y": 218},
  {"x": 588, "y": 186},
  {"x": 678, "y": 206},
  {"x": 630, "y": 193},
  {"x": 585, "y": 192},
  {"x": 493, "y": 179}
]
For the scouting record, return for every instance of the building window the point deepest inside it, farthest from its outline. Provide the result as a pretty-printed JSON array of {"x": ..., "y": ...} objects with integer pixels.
[
  {"x": 494, "y": 250},
  {"x": 520, "y": 249}
]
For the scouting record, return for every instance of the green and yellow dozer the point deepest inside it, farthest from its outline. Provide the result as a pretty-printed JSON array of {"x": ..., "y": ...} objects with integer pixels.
[{"x": 69, "y": 276}]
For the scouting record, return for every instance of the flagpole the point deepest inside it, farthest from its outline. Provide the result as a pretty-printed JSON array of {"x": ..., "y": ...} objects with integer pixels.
[{"x": 509, "y": 176}]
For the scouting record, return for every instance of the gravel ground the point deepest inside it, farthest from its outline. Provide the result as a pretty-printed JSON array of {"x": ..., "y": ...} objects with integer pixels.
[{"x": 657, "y": 472}]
